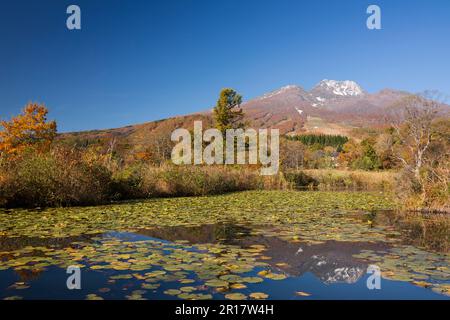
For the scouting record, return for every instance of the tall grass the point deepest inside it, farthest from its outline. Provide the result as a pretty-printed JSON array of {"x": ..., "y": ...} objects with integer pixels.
[
  {"x": 171, "y": 180},
  {"x": 57, "y": 178},
  {"x": 68, "y": 176},
  {"x": 332, "y": 179},
  {"x": 65, "y": 177}
]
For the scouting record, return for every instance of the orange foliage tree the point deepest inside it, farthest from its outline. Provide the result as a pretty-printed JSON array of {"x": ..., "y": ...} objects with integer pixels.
[{"x": 28, "y": 129}]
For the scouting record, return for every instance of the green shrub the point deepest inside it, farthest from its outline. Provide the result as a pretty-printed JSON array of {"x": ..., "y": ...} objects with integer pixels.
[
  {"x": 299, "y": 179},
  {"x": 127, "y": 183}
]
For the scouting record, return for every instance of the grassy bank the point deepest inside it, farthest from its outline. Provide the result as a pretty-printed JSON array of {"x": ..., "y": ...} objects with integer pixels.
[
  {"x": 68, "y": 178},
  {"x": 330, "y": 179},
  {"x": 71, "y": 177}
]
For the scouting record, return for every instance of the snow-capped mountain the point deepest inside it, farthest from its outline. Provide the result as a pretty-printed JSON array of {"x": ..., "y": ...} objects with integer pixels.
[
  {"x": 327, "y": 90},
  {"x": 291, "y": 107},
  {"x": 339, "y": 88}
]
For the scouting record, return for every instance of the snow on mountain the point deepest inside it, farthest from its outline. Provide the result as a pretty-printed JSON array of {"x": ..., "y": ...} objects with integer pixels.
[
  {"x": 282, "y": 90},
  {"x": 340, "y": 88},
  {"x": 324, "y": 91},
  {"x": 290, "y": 108}
]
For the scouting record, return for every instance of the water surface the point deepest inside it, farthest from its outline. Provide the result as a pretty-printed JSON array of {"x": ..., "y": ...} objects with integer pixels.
[{"x": 274, "y": 248}]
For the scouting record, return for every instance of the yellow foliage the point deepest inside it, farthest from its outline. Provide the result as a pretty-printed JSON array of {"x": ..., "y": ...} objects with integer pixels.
[
  {"x": 350, "y": 152},
  {"x": 27, "y": 129}
]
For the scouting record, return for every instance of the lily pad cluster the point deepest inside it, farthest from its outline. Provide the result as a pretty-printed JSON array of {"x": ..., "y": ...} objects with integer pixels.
[
  {"x": 193, "y": 272},
  {"x": 411, "y": 264},
  {"x": 252, "y": 207}
]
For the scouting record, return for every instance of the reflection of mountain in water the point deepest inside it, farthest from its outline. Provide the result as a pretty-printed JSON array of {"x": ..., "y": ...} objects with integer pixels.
[
  {"x": 330, "y": 272},
  {"x": 331, "y": 262}
]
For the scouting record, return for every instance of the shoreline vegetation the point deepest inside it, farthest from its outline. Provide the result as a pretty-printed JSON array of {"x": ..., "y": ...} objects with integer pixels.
[
  {"x": 68, "y": 178},
  {"x": 408, "y": 159}
]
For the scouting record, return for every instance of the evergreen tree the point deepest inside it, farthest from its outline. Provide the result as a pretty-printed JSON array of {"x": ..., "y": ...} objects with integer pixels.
[
  {"x": 321, "y": 140},
  {"x": 227, "y": 112},
  {"x": 369, "y": 159}
]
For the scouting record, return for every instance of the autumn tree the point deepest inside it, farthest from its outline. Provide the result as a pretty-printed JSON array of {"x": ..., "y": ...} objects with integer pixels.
[
  {"x": 437, "y": 163},
  {"x": 351, "y": 151},
  {"x": 420, "y": 144},
  {"x": 383, "y": 148},
  {"x": 227, "y": 112},
  {"x": 292, "y": 154},
  {"x": 413, "y": 129},
  {"x": 157, "y": 151},
  {"x": 30, "y": 128},
  {"x": 368, "y": 159}
]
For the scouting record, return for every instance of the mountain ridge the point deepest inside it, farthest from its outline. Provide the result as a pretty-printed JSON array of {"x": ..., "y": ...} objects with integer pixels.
[{"x": 330, "y": 107}]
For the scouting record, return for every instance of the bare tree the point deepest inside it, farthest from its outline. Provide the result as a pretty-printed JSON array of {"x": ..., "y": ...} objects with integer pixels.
[
  {"x": 438, "y": 158},
  {"x": 161, "y": 148},
  {"x": 292, "y": 154},
  {"x": 413, "y": 127},
  {"x": 111, "y": 148}
]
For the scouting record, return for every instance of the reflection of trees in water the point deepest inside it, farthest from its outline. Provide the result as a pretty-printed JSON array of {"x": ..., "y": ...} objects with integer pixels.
[
  {"x": 29, "y": 275},
  {"x": 432, "y": 232},
  {"x": 209, "y": 233},
  {"x": 230, "y": 232},
  {"x": 429, "y": 230},
  {"x": 17, "y": 243}
]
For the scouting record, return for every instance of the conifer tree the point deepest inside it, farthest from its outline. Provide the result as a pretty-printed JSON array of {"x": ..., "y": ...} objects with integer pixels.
[{"x": 227, "y": 112}]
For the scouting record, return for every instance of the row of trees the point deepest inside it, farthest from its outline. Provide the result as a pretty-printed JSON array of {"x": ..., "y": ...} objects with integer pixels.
[{"x": 323, "y": 140}]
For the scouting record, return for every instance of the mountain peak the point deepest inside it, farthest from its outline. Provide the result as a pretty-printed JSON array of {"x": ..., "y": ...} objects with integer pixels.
[
  {"x": 290, "y": 86},
  {"x": 339, "y": 88},
  {"x": 286, "y": 89}
]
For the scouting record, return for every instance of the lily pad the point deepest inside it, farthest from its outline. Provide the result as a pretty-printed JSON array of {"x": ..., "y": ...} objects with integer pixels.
[{"x": 258, "y": 295}]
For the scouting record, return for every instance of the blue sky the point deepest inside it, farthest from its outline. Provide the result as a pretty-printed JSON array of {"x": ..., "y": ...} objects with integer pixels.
[{"x": 137, "y": 61}]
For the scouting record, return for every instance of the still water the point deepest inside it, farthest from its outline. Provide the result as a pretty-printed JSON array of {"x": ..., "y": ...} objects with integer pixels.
[{"x": 218, "y": 261}]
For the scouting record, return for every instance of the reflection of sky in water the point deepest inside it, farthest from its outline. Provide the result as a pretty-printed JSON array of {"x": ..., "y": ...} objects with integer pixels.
[{"x": 326, "y": 271}]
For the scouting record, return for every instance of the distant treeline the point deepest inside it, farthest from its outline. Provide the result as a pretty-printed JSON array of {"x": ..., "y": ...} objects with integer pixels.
[{"x": 323, "y": 140}]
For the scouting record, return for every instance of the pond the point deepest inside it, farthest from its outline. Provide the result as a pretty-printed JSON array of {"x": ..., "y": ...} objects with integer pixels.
[{"x": 248, "y": 245}]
